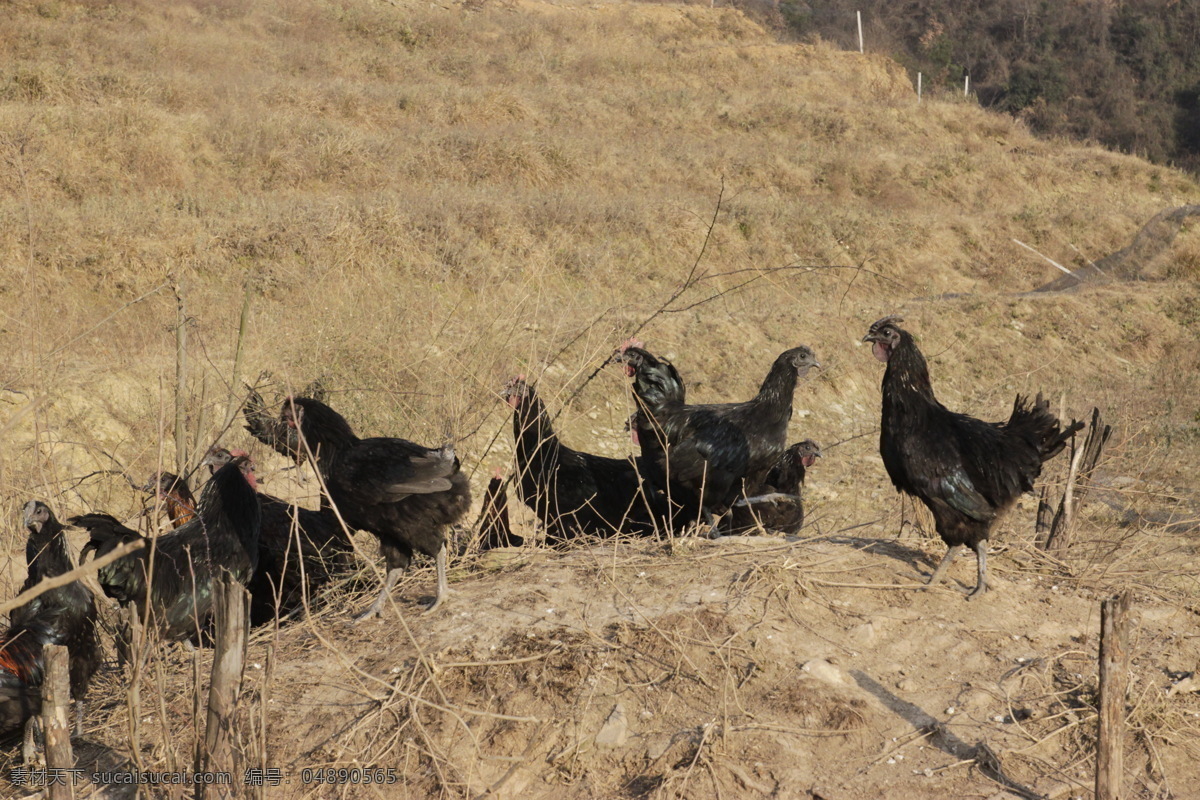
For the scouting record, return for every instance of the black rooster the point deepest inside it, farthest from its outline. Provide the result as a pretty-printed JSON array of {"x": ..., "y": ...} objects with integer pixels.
[
  {"x": 299, "y": 551},
  {"x": 966, "y": 471},
  {"x": 572, "y": 492},
  {"x": 709, "y": 454},
  {"x": 777, "y": 504},
  {"x": 272, "y": 431},
  {"x": 173, "y": 494},
  {"x": 403, "y": 493},
  {"x": 65, "y": 616},
  {"x": 174, "y": 592}
]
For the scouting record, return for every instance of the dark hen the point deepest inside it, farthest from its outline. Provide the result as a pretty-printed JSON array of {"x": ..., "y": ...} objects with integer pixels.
[
  {"x": 173, "y": 494},
  {"x": 777, "y": 505},
  {"x": 64, "y": 616},
  {"x": 966, "y": 471},
  {"x": 299, "y": 551},
  {"x": 709, "y": 454},
  {"x": 494, "y": 527},
  {"x": 573, "y": 492},
  {"x": 403, "y": 493},
  {"x": 177, "y": 597},
  {"x": 272, "y": 430}
]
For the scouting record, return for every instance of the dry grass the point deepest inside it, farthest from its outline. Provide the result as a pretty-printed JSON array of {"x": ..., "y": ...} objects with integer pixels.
[{"x": 427, "y": 200}]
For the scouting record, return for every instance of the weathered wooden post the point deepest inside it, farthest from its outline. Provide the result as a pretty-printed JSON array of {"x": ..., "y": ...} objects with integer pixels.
[
  {"x": 56, "y": 722},
  {"x": 1114, "y": 676},
  {"x": 229, "y": 655}
]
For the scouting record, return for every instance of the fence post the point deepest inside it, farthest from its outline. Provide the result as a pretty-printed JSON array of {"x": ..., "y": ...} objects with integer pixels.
[
  {"x": 229, "y": 655},
  {"x": 1114, "y": 675},
  {"x": 56, "y": 699}
]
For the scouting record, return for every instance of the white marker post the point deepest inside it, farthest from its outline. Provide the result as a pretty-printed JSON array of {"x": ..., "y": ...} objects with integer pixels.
[
  {"x": 966, "y": 85},
  {"x": 918, "y": 88},
  {"x": 860, "y": 39}
]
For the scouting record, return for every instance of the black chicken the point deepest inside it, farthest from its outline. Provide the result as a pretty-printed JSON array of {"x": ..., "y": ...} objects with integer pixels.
[
  {"x": 572, "y": 492},
  {"x": 64, "y": 616},
  {"x": 271, "y": 431},
  {"x": 403, "y": 493},
  {"x": 186, "y": 561},
  {"x": 494, "y": 528},
  {"x": 299, "y": 551},
  {"x": 777, "y": 504},
  {"x": 174, "y": 495},
  {"x": 709, "y": 454},
  {"x": 967, "y": 472}
]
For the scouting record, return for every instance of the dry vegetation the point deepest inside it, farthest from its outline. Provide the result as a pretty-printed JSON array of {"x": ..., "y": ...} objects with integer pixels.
[{"x": 423, "y": 201}]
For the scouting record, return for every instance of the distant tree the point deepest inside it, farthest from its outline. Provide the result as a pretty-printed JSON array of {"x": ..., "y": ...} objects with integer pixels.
[{"x": 1124, "y": 74}]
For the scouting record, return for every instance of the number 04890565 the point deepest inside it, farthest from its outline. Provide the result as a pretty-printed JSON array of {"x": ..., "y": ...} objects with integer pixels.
[{"x": 342, "y": 775}]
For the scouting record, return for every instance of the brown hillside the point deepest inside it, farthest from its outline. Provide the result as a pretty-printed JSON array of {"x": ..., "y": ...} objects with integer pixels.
[{"x": 419, "y": 201}]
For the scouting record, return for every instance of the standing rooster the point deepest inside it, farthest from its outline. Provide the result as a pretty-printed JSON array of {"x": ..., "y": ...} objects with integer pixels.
[
  {"x": 403, "y": 493},
  {"x": 573, "y": 492},
  {"x": 966, "y": 471},
  {"x": 65, "y": 616},
  {"x": 174, "y": 592}
]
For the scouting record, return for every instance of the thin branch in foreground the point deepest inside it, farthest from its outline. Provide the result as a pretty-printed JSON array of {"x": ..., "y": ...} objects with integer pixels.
[{"x": 46, "y": 584}]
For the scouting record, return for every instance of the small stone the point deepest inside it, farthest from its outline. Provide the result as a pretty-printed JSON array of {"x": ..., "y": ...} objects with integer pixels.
[
  {"x": 615, "y": 730},
  {"x": 821, "y": 669}
]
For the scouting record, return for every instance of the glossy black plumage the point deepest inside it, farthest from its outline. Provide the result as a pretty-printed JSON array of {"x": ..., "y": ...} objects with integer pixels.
[
  {"x": 777, "y": 505},
  {"x": 573, "y": 492},
  {"x": 403, "y": 493},
  {"x": 65, "y": 616},
  {"x": 709, "y": 454},
  {"x": 297, "y": 548},
  {"x": 967, "y": 472},
  {"x": 177, "y": 597}
]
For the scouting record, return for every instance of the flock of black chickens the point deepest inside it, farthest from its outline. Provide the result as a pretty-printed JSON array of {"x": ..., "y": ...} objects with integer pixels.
[{"x": 726, "y": 467}]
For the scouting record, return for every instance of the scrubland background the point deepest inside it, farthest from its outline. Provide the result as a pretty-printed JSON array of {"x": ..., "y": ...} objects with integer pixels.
[{"x": 418, "y": 201}]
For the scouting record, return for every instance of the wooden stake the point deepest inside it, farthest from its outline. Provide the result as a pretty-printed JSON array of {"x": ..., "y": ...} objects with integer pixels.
[
  {"x": 136, "y": 656},
  {"x": 56, "y": 721},
  {"x": 229, "y": 612},
  {"x": 1083, "y": 463},
  {"x": 1114, "y": 677}
]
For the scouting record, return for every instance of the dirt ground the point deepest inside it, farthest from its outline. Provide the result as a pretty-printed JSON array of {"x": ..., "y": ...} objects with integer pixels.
[{"x": 747, "y": 666}]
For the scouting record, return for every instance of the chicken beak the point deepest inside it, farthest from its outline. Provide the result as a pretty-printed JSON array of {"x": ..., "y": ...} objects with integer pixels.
[{"x": 27, "y": 513}]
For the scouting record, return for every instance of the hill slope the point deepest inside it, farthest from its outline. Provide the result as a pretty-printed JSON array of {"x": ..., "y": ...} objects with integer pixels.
[{"x": 427, "y": 200}]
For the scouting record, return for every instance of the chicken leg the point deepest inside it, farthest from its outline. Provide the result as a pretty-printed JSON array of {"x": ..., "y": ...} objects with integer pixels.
[
  {"x": 981, "y": 557},
  {"x": 941, "y": 568},
  {"x": 376, "y": 608},
  {"x": 443, "y": 586}
]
